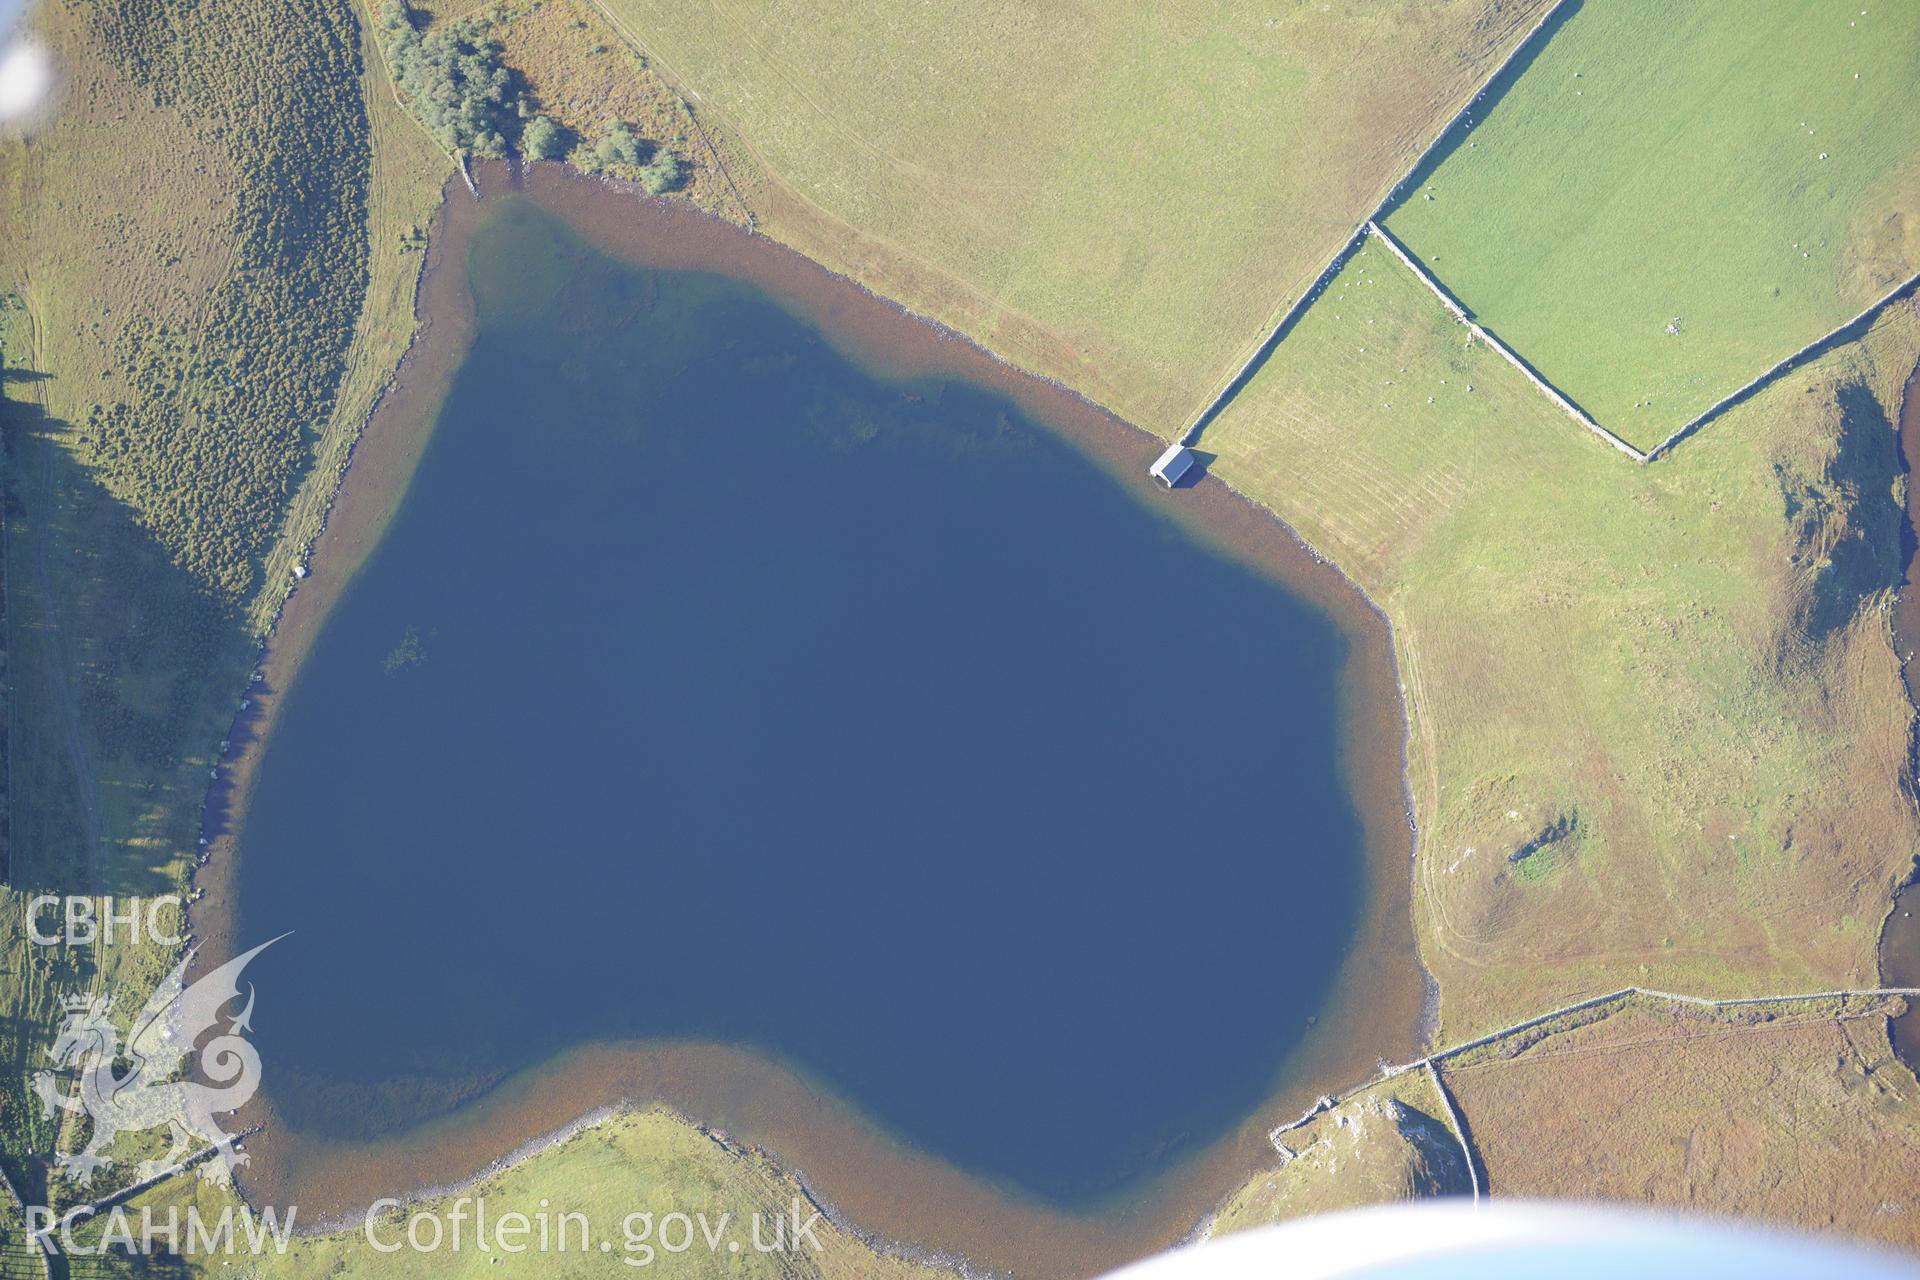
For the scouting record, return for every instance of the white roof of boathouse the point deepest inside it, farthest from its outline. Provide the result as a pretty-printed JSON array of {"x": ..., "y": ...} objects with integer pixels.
[{"x": 1174, "y": 463}]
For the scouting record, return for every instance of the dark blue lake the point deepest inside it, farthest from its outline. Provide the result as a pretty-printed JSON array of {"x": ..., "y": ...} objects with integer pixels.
[{"x": 706, "y": 686}]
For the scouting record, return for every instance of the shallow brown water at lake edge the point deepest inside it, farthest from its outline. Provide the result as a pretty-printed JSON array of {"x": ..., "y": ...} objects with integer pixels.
[{"x": 893, "y": 1192}]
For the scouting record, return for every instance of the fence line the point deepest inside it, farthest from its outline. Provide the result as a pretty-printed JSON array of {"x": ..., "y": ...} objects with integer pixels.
[
  {"x": 1728, "y": 401},
  {"x": 1731, "y": 1002},
  {"x": 1192, "y": 434},
  {"x": 73, "y": 1214},
  {"x": 1707, "y": 1002},
  {"x": 1459, "y": 1128},
  {"x": 1719, "y": 406},
  {"x": 753, "y": 223},
  {"x": 1526, "y": 1024},
  {"x": 1370, "y": 226},
  {"x": 33, "y": 1243},
  {"x": 1459, "y": 313},
  {"x": 1388, "y": 1071},
  {"x": 1232, "y": 385},
  {"x": 1325, "y": 1102}
]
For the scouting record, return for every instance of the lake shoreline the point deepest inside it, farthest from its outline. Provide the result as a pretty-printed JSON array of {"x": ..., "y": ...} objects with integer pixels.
[
  {"x": 1899, "y": 949},
  {"x": 903, "y": 1194}
]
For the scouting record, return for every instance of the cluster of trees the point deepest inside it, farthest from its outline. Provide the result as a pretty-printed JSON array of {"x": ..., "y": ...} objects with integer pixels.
[
  {"x": 623, "y": 153},
  {"x": 220, "y": 395},
  {"x": 183, "y": 477},
  {"x": 545, "y": 139},
  {"x": 455, "y": 81},
  {"x": 473, "y": 102},
  {"x": 620, "y": 152}
]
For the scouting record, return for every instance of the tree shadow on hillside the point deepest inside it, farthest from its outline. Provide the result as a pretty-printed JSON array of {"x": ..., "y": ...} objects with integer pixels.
[
  {"x": 114, "y": 674},
  {"x": 1858, "y": 511}
]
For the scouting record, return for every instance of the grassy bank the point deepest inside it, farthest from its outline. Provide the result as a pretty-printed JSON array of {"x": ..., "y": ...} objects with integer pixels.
[
  {"x": 1658, "y": 730},
  {"x": 1668, "y": 201},
  {"x": 1387, "y": 1144},
  {"x": 627, "y": 1176},
  {"x": 1117, "y": 198}
]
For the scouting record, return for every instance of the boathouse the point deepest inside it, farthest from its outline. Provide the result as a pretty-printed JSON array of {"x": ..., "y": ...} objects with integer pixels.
[{"x": 1174, "y": 463}]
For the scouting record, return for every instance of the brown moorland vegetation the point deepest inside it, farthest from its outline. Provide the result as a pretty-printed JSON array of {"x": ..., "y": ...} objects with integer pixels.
[{"x": 1801, "y": 1116}]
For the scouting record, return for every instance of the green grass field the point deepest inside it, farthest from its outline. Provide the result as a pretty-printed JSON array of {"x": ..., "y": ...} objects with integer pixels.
[
  {"x": 1389, "y": 1143},
  {"x": 1684, "y": 668},
  {"x": 1746, "y": 174},
  {"x": 650, "y": 1163},
  {"x": 1121, "y": 198}
]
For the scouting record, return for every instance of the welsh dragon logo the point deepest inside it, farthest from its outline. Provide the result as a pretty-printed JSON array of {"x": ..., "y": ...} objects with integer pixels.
[{"x": 158, "y": 1048}]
